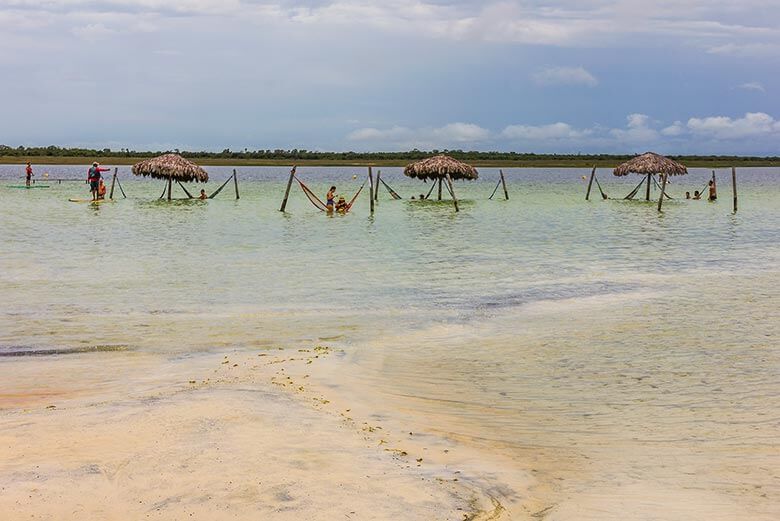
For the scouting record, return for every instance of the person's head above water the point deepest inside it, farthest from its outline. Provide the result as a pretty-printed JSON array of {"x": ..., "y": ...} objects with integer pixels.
[
  {"x": 332, "y": 188},
  {"x": 95, "y": 163}
]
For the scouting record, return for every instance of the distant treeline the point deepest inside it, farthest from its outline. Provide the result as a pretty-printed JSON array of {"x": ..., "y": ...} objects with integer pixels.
[{"x": 311, "y": 155}]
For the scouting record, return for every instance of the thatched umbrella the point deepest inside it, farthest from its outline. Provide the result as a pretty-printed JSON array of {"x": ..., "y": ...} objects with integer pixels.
[
  {"x": 439, "y": 168},
  {"x": 649, "y": 164},
  {"x": 171, "y": 167}
]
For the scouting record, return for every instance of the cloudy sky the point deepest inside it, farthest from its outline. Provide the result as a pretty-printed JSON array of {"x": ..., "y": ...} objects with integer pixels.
[{"x": 675, "y": 76}]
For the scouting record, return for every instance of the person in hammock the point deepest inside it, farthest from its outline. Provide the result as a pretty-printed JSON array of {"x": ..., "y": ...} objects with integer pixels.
[
  {"x": 342, "y": 206},
  {"x": 330, "y": 198}
]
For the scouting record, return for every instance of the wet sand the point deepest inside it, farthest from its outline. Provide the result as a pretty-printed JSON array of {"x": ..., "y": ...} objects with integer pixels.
[{"x": 212, "y": 436}]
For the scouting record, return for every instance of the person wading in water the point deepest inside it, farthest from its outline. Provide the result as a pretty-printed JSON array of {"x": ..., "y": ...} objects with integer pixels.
[
  {"x": 713, "y": 190},
  {"x": 329, "y": 199},
  {"x": 93, "y": 178},
  {"x": 28, "y": 175}
]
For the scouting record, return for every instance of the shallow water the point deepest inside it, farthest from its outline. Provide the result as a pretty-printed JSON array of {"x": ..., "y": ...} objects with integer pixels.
[{"x": 630, "y": 359}]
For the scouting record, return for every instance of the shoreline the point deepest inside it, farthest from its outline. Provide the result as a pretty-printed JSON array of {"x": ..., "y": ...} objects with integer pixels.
[
  {"x": 498, "y": 163},
  {"x": 214, "y": 436}
]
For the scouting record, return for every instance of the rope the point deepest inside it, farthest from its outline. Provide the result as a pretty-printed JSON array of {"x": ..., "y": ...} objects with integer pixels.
[
  {"x": 312, "y": 196},
  {"x": 659, "y": 187},
  {"x": 448, "y": 189},
  {"x": 495, "y": 190},
  {"x": 603, "y": 195},
  {"x": 120, "y": 187},
  {"x": 392, "y": 192},
  {"x": 212, "y": 196},
  {"x": 164, "y": 189},
  {"x": 185, "y": 190},
  {"x": 433, "y": 185},
  {"x": 635, "y": 190},
  {"x": 352, "y": 201}
]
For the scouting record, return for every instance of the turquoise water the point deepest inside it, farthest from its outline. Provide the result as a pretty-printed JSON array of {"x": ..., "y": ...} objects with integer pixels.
[{"x": 606, "y": 344}]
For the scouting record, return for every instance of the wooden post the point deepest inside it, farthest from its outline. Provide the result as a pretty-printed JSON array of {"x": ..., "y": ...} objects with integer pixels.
[
  {"x": 371, "y": 188},
  {"x": 235, "y": 182},
  {"x": 734, "y": 186},
  {"x": 663, "y": 191},
  {"x": 170, "y": 182},
  {"x": 452, "y": 191},
  {"x": 287, "y": 191},
  {"x": 503, "y": 183},
  {"x": 376, "y": 189},
  {"x": 439, "y": 189},
  {"x": 590, "y": 183},
  {"x": 113, "y": 180},
  {"x": 649, "y": 182}
]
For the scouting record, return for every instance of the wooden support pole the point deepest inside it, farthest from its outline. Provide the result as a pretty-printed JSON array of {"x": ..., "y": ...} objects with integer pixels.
[
  {"x": 439, "y": 189},
  {"x": 590, "y": 183},
  {"x": 734, "y": 186},
  {"x": 376, "y": 188},
  {"x": 113, "y": 181},
  {"x": 503, "y": 183},
  {"x": 235, "y": 183},
  {"x": 170, "y": 182},
  {"x": 371, "y": 188},
  {"x": 287, "y": 191},
  {"x": 452, "y": 192},
  {"x": 663, "y": 191},
  {"x": 649, "y": 182}
]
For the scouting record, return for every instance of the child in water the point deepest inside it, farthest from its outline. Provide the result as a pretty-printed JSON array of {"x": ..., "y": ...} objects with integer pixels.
[
  {"x": 101, "y": 189},
  {"x": 203, "y": 195},
  {"x": 341, "y": 205}
]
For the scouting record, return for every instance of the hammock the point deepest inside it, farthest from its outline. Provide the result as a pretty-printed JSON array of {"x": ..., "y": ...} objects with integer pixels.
[
  {"x": 392, "y": 192},
  {"x": 352, "y": 201},
  {"x": 495, "y": 190},
  {"x": 603, "y": 195},
  {"x": 317, "y": 202}
]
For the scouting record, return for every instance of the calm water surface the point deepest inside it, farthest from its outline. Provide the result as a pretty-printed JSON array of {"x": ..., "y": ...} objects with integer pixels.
[{"x": 606, "y": 346}]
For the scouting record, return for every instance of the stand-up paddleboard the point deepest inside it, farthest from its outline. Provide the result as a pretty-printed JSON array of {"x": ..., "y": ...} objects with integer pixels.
[
  {"x": 99, "y": 201},
  {"x": 31, "y": 186}
]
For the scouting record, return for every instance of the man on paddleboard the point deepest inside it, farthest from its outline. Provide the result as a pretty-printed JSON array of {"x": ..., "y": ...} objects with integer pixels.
[{"x": 93, "y": 178}]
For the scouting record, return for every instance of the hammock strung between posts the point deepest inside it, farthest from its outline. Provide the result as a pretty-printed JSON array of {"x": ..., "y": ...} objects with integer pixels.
[
  {"x": 317, "y": 202},
  {"x": 495, "y": 190},
  {"x": 433, "y": 185},
  {"x": 659, "y": 187},
  {"x": 392, "y": 192},
  {"x": 635, "y": 190},
  {"x": 603, "y": 195}
]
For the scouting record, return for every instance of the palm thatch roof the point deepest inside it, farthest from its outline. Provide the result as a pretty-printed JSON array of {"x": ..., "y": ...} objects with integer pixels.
[
  {"x": 439, "y": 166},
  {"x": 650, "y": 163},
  {"x": 171, "y": 166}
]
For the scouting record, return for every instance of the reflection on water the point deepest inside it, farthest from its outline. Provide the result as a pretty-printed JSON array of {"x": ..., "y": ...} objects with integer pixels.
[{"x": 601, "y": 343}]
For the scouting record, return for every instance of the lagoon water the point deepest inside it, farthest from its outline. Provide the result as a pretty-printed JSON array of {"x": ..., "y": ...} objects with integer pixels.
[{"x": 626, "y": 362}]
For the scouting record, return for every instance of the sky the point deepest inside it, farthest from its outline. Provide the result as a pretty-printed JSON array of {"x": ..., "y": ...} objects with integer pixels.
[{"x": 565, "y": 76}]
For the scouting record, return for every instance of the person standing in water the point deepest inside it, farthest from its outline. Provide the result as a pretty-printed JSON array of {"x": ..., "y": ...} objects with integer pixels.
[
  {"x": 329, "y": 199},
  {"x": 28, "y": 175},
  {"x": 713, "y": 190},
  {"x": 93, "y": 178}
]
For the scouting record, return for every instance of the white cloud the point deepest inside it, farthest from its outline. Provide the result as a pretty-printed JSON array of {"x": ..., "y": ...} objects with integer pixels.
[
  {"x": 565, "y": 76},
  {"x": 675, "y": 129},
  {"x": 461, "y": 133},
  {"x": 636, "y": 131},
  {"x": 447, "y": 136},
  {"x": 752, "y": 85},
  {"x": 554, "y": 131},
  {"x": 752, "y": 124}
]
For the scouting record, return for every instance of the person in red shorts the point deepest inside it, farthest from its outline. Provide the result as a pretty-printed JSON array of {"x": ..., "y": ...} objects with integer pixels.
[{"x": 93, "y": 178}]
